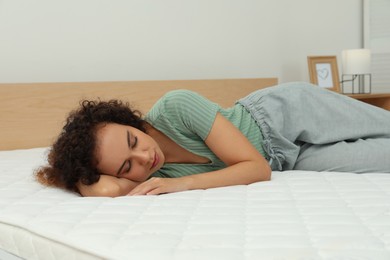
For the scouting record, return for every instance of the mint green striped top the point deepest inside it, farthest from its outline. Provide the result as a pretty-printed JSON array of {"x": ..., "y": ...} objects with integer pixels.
[{"x": 186, "y": 117}]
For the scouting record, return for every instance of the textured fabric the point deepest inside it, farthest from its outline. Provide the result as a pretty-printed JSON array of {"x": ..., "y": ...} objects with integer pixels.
[
  {"x": 360, "y": 156},
  {"x": 302, "y": 123},
  {"x": 295, "y": 216},
  {"x": 186, "y": 117}
]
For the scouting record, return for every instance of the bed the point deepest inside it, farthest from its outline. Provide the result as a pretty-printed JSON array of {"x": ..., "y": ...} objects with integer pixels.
[{"x": 297, "y": 215}]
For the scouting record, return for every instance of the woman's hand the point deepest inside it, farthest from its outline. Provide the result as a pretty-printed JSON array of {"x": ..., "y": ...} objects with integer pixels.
[
  {"x": 155, "y": 186},
  {"x": 107, "y": 186}
]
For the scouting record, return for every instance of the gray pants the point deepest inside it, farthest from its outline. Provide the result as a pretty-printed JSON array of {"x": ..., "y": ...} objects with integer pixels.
[{"x": 306, "y": 127}]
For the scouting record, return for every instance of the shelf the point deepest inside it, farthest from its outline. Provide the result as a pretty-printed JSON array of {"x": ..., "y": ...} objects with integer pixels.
[
  {"x": 369, "y": 96},
  {"x": 377, "y": 99}
]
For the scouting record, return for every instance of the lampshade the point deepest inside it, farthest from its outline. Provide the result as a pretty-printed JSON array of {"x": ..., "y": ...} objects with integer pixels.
[{"x": 357, "y": 61}]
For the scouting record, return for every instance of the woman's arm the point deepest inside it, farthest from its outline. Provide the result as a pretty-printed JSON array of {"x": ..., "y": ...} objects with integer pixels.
[
  {"x": 107, "y": 186},
  {"x": 245, "y": 164}
]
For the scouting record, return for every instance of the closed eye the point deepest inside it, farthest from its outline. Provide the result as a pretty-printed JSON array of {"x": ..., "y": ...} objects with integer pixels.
[
  {"x": 128, "y": 166},
  {"x": 135, "y": 142},
  {"x": 128, "y": 139}
]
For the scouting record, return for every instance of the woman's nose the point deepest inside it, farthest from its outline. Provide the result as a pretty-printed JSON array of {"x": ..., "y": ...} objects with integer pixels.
[{"x": 142, "y": 157}]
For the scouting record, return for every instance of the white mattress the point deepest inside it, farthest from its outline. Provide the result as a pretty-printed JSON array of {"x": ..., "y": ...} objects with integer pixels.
[{"x": 297, "y": 215}]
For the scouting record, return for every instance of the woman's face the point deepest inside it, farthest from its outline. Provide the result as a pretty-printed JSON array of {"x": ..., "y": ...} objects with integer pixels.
[{"x": 126, "y": 152}]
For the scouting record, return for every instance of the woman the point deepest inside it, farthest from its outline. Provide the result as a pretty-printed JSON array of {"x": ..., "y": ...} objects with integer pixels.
[{"x": 187, "y": 142}]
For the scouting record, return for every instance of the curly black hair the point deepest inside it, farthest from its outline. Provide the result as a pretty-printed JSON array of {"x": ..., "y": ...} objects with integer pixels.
[{"x": 71, "y": 158}]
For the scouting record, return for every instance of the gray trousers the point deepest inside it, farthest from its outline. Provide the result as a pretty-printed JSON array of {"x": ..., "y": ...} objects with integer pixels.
[{"x": 306, "y": 127}]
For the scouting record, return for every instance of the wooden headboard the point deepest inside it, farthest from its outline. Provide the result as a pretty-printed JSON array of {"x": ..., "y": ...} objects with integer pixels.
[{"x": 32, "y": 114}]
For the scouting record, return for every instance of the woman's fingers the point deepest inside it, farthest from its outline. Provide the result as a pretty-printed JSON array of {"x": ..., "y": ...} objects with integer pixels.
[
  {"x": 156, "y": 186},
  {"x": 146, "y": 187}
]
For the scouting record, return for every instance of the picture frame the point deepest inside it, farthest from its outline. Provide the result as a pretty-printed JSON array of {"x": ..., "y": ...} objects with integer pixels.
[{"x": 324, "y": 72}]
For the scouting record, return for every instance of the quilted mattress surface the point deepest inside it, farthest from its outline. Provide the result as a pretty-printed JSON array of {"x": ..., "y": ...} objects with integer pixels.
[{"x": 296, "y": 215}]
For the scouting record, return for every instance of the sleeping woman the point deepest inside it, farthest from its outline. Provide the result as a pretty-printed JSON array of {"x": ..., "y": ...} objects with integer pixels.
[{"x": 187, "y": 142}]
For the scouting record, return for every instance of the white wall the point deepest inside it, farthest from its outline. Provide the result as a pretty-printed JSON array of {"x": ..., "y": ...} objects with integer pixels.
[
  {"x": 377, "y": 39},
  {"x": 104, "y": 40}
]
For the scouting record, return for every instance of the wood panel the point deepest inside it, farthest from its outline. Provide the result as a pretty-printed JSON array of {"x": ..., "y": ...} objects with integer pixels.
[{"x": 32, "y": 114}]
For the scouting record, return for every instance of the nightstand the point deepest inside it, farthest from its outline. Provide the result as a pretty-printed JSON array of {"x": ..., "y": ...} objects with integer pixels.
[{"x": 379, "y": 100}]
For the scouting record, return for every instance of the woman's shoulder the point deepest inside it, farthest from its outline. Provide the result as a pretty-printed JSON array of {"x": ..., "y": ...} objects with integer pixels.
[
  {"x": 179, "y": 94},
  {"x": 183, "y": 99},
  {"x": 183, "y": 107},
  {"x": 171, "y": 102}
]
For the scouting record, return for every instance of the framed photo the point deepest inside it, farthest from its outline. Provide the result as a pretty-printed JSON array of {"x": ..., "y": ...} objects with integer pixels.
[{"x": 324, "y": 72}]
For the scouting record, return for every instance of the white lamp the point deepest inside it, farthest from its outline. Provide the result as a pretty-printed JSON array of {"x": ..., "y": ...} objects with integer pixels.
[{"x": 357, "y": 65}]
